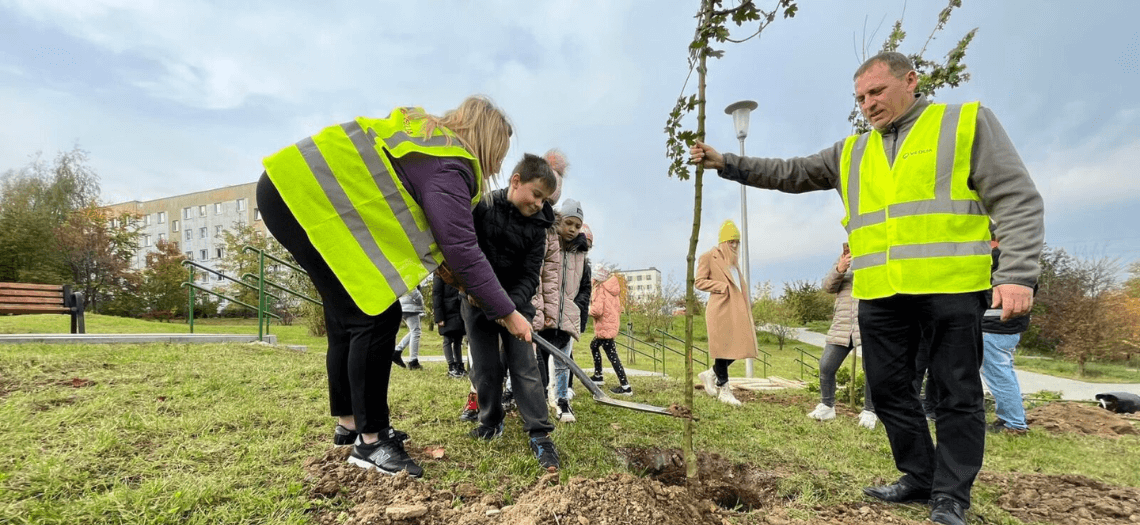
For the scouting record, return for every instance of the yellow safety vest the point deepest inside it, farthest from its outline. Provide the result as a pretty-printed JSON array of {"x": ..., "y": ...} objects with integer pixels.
[
  {"x": 344, "y": 191},
  {"x": 916, "y": 227}
]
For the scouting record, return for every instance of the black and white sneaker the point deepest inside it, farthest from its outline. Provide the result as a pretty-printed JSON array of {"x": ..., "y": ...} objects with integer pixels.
[
  {"x": 598, "y": 379},
  {"x": 509, "y": 401},
  {"x": 622, "y": 390},
  {"x": 565, "y": 413},
  {"x": 387, "y": 455},
  {"x": 545, "y": 453}
]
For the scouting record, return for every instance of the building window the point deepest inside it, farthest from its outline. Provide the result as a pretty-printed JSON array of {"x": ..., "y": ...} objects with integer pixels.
[
  {"x": 219, "y": 253},
  {"x": 189, "y": 256},
  {"x": 146, "y": 240},
  {"x": 174, "y": 225},
  {"x": 202, "y": 232},
  {"x": 162, "y": 237},
  {"x": 188, "y": 234},
  {"x": 175, "y": 245},
  {"x": 202, "y": 210},
  {"x": 257, "y": 214},
  {"x": 185, "y": 213},
  {"x": 203, "y": 254},
  {"x": 146, "y": 219},
  {"x": 218, "y": 230},
  {"x": 241, "y": 204},
  {"x": 162, "y": 217},
  {"x": 217, "y": 208},
  {"x": 114, "y": 223}
]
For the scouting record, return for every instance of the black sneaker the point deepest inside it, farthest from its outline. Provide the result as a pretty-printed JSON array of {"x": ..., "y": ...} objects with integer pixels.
[
  {"x": 545, "y": 453},
  {"x": 453, "y": 371},
  {"x": 461, "y": 370},
  {"x": 509, "y": 401},
  {"x": 598, "y": 379},
  {"x": 386, "y": 455},
  {"x": 397, "y": 360},
  {"x": 622, "y": 390},
  {"x": 486, "y": 433},
  {"x": 414, "y": 364},
  {"x": 343, "y": 436}
]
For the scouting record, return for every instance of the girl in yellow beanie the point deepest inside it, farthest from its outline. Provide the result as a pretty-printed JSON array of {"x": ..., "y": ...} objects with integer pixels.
[{"x": 731, "y": 330}]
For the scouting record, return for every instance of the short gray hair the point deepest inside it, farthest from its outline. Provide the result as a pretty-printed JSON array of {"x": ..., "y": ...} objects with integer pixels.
[{"x": 898, "y": 63}]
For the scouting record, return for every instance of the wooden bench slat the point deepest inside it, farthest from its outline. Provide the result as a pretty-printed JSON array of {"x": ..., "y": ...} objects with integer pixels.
[
  {"x": 30, "y": 286},
  {"x": 58, "y": 301},
  {"x": 11, "y": 297},
  {"x": 32, "y": 309}
]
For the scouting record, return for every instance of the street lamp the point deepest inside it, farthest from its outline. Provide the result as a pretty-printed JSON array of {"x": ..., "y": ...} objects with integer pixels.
[{"x": 740, "y": 112}]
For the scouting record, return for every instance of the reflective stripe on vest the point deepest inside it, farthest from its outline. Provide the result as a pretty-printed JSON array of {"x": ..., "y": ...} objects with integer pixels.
[
  {"x": 343, "y": 190},
  {"x": 917, "y": 227}
]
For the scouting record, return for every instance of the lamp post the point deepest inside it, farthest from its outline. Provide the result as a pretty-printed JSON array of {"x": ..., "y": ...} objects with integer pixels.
[{"x": 740, "y": 112}]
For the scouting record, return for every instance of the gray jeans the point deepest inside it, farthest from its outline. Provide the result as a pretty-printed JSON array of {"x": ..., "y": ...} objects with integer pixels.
[
  {"x": 833, "y": 357},
  {"x": 412, "y": 338}
]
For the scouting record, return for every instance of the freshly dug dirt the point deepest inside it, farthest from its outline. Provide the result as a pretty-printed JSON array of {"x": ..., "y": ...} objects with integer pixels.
[
  {"x": 1082, "y": 419},
  {"x": 1064, "y": 500}
]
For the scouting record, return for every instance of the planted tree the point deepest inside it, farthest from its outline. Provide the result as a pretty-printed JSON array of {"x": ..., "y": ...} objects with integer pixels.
[{"x": 711, "y": 28}]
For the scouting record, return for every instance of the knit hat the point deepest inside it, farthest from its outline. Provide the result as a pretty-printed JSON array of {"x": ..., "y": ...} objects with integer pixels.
[
  {"x": 558, "y": 163},
  {"x": 573, "y": 208},
  {"x": 728, "y": 232},
  {"x": 601, "y": 274},
  {"x": 589, "y": 235}
]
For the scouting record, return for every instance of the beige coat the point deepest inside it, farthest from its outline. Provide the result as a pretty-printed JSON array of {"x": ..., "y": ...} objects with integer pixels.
[
  {"x": 732, "y": 333},
  {"x": 844, "y": 329}
]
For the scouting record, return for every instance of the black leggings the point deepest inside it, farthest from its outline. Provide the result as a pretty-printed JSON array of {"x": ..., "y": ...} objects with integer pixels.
[
  {"x": 720, "y": 368},
  {"x": 611, "y": 354},
  {"x": 359, "y": 358}
]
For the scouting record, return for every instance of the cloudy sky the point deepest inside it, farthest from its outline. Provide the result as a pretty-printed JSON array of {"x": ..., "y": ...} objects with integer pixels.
[{"x": 177, "y": 96}]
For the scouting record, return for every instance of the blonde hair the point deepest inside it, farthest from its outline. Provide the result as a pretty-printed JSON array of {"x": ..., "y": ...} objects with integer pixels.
[{"x": 481, "y": 128}]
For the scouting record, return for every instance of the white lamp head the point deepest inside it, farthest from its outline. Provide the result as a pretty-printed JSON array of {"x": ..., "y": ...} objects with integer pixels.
[{"x": 740, "y": 111}]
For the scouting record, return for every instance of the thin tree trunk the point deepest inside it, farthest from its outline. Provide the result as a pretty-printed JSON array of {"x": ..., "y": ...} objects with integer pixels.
[{"x": 690, "y": 296}]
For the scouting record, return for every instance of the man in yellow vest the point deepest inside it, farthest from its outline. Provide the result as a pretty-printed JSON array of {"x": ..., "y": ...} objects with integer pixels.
[{"x": 920, "y": 190}]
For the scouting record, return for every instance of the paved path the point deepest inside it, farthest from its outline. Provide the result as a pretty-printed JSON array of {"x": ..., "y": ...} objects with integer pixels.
[{"x": 1030, "y": 381}]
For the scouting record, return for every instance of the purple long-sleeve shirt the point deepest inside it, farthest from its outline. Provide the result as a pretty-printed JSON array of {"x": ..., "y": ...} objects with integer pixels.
[{"x": 443, "y": 187}]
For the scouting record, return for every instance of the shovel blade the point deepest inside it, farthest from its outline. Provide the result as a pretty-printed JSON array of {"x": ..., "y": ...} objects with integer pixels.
[{"x": 599, "y": 394}]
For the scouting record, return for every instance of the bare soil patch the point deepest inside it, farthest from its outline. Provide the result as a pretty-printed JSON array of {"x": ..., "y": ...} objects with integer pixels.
[
  {"x": 1064, "y": 500},
  {"x": 1082, "y": 419}
]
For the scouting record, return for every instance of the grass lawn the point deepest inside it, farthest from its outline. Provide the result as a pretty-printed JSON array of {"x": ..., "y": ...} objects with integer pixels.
[
  {"x": 1095, "y": 372},
  {"x": 160, "y": 433}
]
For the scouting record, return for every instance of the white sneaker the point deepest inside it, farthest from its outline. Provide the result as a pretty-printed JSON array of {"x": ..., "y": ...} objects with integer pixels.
[
  {"x": 708, "y": 377},
  {"x": 725, "y": 396},
  {"x": 822, "y": 412},
  {"x": 569, "y": 393},
  {"x": 565, "y": 413},
  {"x": 867, "y": 419}
]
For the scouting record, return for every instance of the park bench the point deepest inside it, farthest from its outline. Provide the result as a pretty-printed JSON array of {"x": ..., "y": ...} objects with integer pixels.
[{"x": 27, "y": 298}]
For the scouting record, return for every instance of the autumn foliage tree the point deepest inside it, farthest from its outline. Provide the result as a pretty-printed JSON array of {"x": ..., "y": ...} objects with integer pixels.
[
  {"x": 97, "y": 251},
  {"x": 1081, "y": 313}
]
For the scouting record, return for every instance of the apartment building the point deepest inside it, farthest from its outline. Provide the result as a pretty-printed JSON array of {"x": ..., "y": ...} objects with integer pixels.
[
  {"x": 194, "y": 222},
  {"x": 642, "y": 284}
]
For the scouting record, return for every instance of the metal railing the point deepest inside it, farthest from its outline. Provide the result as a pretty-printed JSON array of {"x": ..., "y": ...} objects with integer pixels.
[
  {"x": 704, "y": 363},
  {"x": 260, "y": 283},
  {"x": 814, "y": 368},
  {"x": 633, "y": 351}
]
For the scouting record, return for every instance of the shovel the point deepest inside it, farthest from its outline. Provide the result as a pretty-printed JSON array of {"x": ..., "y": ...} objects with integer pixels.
[{"x": 599, "y": 394}]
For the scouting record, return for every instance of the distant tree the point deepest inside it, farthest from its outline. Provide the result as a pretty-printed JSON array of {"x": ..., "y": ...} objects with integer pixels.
[
  {"x": 1078, "y": 307},
  {"x": 35, "y": 200},
  {"x": 161, "y": 289},
  {"x": 97, "y": 251},
  {"x": 657, "y": 309},
  {"x": 807, "y": 301},
  {"x": 1132, "y": 284},
  {"x": 773, "y": 315}
]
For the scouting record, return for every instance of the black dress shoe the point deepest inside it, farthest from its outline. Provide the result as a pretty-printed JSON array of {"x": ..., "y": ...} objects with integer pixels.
[
  {"x": 397, "y": 360},
  {"x": 948, "y": 512},
  {"x": 900, "y": 492}
]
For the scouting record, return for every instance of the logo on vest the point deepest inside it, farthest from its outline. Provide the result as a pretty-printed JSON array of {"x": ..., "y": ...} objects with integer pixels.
[{"x": 916, "y": 152}]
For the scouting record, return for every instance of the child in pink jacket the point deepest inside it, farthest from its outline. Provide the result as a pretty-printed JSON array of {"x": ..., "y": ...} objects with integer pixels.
[{"x": 605, "y": 308}]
